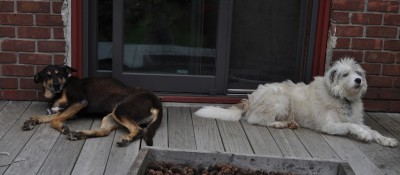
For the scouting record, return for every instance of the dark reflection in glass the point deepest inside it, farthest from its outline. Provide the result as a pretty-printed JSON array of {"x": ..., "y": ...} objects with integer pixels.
[
  {"x": 104, "y": 34},
  {"x": 170, "y": 36}
]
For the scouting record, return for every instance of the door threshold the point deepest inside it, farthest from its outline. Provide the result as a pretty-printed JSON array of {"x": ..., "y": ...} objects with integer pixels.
[{"x": 199, "y": 99}]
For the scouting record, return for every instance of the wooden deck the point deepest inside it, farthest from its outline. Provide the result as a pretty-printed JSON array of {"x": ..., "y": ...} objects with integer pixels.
[{"x": 44, "y": 151}]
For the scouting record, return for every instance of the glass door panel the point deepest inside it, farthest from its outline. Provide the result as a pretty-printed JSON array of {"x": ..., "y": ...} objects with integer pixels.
[
  {"x": 170, "y": 37},
  {"x": 104, "y": 34}
]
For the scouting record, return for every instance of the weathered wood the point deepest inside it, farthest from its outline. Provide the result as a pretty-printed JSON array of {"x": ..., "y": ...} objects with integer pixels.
[
  {"x": 35, "y": 151},
  {"x": 10, "y": 114},
  {"x": 16, "y": 138},
  {"x": 180, "y": 128},
  {"x": 94, "y": 154},
  {"x": 65, "y": 153},
  {"x": 161, "y": 137},
  {"x": 234, "y": 137},
  {"x": 206, "y": 133},
  {"x": 351, "y": 153},
  {"x": 315, "y": 144},
  {"x": 121, "y": 158},
  {"x": 261, "y": 139},
  {"x": 288, "y": 143},
  {"x": 390, "y": 124},
  {"x": 2, "y": 104}
]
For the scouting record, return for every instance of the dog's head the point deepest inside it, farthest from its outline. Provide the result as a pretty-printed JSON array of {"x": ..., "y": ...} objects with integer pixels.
[
  {"x": 53, "y": 79},
  {"x": 346, "y": 79}
]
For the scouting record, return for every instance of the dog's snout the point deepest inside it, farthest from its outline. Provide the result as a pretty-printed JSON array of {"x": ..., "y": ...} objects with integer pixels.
[{"x": 358, "y": 80}]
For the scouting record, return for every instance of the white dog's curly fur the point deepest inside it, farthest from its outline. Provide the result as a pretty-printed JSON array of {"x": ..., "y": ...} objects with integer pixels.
[{"x": 331, "y": 104}]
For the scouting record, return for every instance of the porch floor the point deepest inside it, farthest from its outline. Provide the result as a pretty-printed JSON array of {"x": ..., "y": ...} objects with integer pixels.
[{"x": 44, "y": 150}]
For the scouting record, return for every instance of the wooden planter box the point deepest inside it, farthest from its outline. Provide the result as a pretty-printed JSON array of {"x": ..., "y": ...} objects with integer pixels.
[{"x": 254, "y": 162}]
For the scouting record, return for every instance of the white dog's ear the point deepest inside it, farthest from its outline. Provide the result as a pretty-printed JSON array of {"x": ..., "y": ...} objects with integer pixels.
[{"x": 332, "y": 75}]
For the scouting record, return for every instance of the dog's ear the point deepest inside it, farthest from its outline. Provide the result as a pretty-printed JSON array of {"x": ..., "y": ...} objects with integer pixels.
[
  {"x": 38, "y": 77},
  {"x": 69, "y": 70},
  {"x": 332, "y": 75}
]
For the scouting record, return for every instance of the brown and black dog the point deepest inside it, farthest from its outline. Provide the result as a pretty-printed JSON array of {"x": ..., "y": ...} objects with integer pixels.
[{"x": 137, "y": 109}]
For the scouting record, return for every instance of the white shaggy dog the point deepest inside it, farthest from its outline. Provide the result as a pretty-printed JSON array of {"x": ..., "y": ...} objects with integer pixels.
[{"x": 331, "y": 104}]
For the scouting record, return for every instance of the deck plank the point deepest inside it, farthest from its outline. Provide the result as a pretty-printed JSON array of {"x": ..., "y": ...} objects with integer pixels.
[
  {"x": 234, "y": 137},
  {"x": 180, "y": 128},
  {"x": 16, "y": 138},
  {"x": 2, "y": 104},
  {"x": 316, "y": 144},
  {"x": 289, "y": 143},
  {"x": 350, "y": 152},
  {"x": 94, "y": 154},
  {"x": 65, "y": 153},
  {"x": 35, "y": 151},
  {"x": 206, "y": 133},
  {"x": 121, "y": 158},
  {"x": 385, "y": 158},
  {"x": 10, "y": 114},
  {"x": 261, "y": 140}
]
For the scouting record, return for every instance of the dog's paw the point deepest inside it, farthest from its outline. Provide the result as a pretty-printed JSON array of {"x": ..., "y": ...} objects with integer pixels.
[
  {"x": 279, "y": 125},
  {"x": 123, "y": 143},
  {"x": 365, "y": 136},
  {"x": 73, "y": 136},
  {"x": 389, "y": 142},
  {"x": 29, "y": 124},
  {"x": 65, "y": 129}
]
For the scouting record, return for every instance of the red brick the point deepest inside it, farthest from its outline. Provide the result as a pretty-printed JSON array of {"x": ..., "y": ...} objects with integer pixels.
[
  {"x": 49, "y": 20},
  {"x": 357, "y": 55},
  {"x": 34, "y": 32},
  {"x": 35, "y": 59},
  {"x": 39, "y": 68},
  {"x": 350, "y": 5},
  {"x": 342, "y": 43},
  {"x": 341, "y": 17},
  {"x": 381, "y": 32},
  {"x": 26, "y": 83},
  {"x": 33, "y": 7},
  {"x": 389, "y": 94},
  {"x": 373, "y": 105},
  {"x": 366, "y": 18},
  {"x": 372, "y": 93},
  {"x": 59, "y": 59},
  {"x": 8, "y": 57},
  {"x": 19, "y": 94},
  {"x": 51, "y": 46},
  {"x": 397, "y": 82},
  {"x": 383, "y": 6},
  {"x": 380, "y": 57},
  {"x": 7, "y": 32},
  {"x": 6, "y": 6},
  {"x": 18, "y": 45},
  {"x": 8, "y": 83},
  {"x": 366, "y": 44},
  {"x": 379, "y": 81},
  {"x": 392, "y": 19},
  {"x": 391, "y": 69},
  {"x": 372, "y": 69},
  {"x": 17, "y": 70},
  {"x": 57, "y": 7},
  {"x": 394, "y": 106},
  {"x": 16, "y": 19},
  {"x": 58, "y": 33},
  {"x": 392, "y": 45},
  {"x": 352, "y": 31}
]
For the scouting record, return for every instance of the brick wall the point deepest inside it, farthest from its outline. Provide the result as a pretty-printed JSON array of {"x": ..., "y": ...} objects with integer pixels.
[
  {"x": 369, "y": 30},
  {"x": 31, "y": 36}
]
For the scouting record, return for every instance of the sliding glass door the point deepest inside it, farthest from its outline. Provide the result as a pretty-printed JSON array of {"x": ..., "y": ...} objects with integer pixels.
[{"x": 197, "y": 46}]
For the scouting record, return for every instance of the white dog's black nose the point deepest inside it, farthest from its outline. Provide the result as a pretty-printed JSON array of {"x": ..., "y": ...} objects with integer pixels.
[{"x": 357, "y": 80}]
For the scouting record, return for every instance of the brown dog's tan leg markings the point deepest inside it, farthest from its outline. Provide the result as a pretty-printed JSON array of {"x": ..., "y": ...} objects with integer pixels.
[
  {"x": 107, "y": 125},
  {"x": 57, "y": 122},
  {"x": 134, "y": 130},
  {"x": 31, "y": 123}
]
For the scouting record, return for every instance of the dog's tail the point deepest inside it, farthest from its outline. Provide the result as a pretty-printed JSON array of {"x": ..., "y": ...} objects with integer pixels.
[{"x": 234, "y": 113}]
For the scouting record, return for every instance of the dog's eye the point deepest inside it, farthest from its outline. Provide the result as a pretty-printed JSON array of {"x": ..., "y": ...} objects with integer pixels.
[{"x": 345, "y": 75}]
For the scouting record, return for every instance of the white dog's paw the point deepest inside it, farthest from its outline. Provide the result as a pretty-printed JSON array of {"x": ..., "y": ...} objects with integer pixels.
[
  {"x": 279, "y": 124},
  {"x": 364, "y": 135},
  {"x": 386, "y": 141}
]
